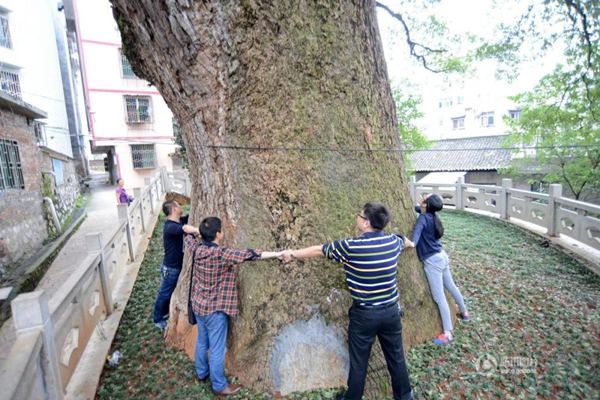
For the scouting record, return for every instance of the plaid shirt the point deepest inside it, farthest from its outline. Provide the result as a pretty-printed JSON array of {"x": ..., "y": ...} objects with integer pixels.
[{"x": 213, "y": 283}]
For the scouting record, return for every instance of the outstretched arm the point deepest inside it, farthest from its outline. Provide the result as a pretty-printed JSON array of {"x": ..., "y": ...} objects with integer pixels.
[
  {"x": 232, "y": 257},
  {"x": 191, "y": 229},
  {"x": 406, "y": 243},
  {"x": 271, "y": 254},
  {"x": 418, "y": 231},
  {"x": 308, "y": 252}
]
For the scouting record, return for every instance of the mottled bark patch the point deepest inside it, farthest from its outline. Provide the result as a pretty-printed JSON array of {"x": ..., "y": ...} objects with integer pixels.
[{"x": 308, "y": 354}]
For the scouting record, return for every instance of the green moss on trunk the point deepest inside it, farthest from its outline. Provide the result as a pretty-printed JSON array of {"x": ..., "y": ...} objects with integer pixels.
[{"x": 293, "y": 74}]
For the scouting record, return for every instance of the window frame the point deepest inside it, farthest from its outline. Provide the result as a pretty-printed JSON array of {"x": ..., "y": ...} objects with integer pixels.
[
  {"x": 11, "y": 167},
  {"x": 454, "y": 123},
  {"x": 39, "y": 130},
  {"x": 5, "y": 36},
  {"x": 488, "y": 115},
  {"x": 58, "y": 168},
  {"x": 138, "y": 119},
  {"x": 125, "y": 64},
  {"x": 13, "y": 86},
  {"x": 515, "y": 115},
  {"x": 143, "y": 160},
  {"x": 445, "y": 102}
]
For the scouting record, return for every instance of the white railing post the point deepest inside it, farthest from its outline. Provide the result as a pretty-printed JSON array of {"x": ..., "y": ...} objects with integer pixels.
[
  {"x": 188, "y": 185},
  {"x": 30, "y": 312},
  {"x": 157, "y": 191},
  {"x": 124, "y": 214},
  {"x": 506, "y": 184},
  {"x": 95, "y": 244},
  {"x": 554, "y": 192},
  {"x": 459, "y": 193},
  {"x": 165, "y": 180},
  {"x": 148, "y": 182},
  {"x": 138, "y": 195},
  {"x": 413, "y": 188}
]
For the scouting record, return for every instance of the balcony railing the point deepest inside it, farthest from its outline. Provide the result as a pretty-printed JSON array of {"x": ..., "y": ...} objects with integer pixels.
[{"x": 9, "y": 83}]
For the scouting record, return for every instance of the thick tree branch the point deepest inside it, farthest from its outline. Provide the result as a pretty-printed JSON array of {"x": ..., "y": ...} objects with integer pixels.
[
  {"x": 591, "y": 103},
  {"x": 564, "y": 175},
  {"x": 584, "y": 26},
  {"x": 412, "y": 44}
]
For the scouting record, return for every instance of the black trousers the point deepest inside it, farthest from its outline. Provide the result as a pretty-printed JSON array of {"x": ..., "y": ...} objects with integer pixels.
[{"x": 365, "y": 325}]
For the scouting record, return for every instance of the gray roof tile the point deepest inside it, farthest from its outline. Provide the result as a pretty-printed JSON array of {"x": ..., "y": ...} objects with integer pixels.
[{"x": 463, "y": 155}]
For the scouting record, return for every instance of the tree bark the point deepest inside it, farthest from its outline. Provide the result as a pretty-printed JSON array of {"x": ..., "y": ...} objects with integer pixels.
[{"x": 302, "y": 73}]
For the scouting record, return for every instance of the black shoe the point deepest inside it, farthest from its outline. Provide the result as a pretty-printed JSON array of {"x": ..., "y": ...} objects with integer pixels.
[
  {"x": 409, "y": 396},
  {"x": 340, "y": 396}
]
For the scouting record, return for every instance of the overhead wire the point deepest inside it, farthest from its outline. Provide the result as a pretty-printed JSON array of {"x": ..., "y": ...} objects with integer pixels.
[{"x": 388, "y": 150}]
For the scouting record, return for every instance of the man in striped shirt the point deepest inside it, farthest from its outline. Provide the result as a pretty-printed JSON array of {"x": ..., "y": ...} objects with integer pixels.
[{"x": 370, "y": 262}]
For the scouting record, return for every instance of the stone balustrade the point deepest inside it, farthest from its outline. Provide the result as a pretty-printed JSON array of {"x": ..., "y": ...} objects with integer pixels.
[
  {"x": 179, "y": 182},
  {"x": 52, "y": 334},
  {"x": 559, "y": 215}
]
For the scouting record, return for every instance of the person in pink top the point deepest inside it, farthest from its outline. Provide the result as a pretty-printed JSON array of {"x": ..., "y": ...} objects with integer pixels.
[{"x": 122, "y": 196}]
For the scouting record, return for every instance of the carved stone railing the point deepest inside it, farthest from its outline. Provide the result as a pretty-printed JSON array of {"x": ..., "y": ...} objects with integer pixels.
[
  {"x": 52, "y": 334},
  {"x": 559, "y": 215},
  {"x": 178, "y": 182}
]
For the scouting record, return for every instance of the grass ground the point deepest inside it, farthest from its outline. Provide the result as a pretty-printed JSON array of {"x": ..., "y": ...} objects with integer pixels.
[{"x": 535, "y": 329}]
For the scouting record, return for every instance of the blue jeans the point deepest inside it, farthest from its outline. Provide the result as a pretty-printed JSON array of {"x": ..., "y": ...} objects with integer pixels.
[
  {"x": 212, "y": 335},
  {"x": 167, "y": 286}
]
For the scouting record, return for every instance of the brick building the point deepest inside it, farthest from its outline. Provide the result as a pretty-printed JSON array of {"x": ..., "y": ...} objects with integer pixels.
[{"x": 23, "y": 227}]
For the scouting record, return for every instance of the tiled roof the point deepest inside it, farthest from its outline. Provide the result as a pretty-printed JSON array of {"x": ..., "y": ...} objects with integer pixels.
[{"x": 460, "y": 158}]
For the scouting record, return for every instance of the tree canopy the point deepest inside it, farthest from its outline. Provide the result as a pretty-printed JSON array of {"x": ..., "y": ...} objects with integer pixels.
[
  {"x": 559, "y": 119},
  {"x": 560, "y": 115}
]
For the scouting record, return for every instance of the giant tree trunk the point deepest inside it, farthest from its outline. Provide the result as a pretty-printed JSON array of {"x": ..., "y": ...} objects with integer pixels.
[{"x": 282, "y": 73}]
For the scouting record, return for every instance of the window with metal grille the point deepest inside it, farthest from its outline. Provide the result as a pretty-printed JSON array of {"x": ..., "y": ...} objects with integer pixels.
[
  {"x": 126, "y": 66},
  {"x": 143, "y": 155},
  {"x": 39, "y": 129},
  {"x": 5, "y": 40},
  {"x": 11, "y": 174},
  {"x": 9, "y": 83},
  {"x": 138, "y": 109}
]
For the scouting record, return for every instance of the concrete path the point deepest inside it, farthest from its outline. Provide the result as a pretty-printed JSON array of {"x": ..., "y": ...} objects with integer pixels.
[{"x": 101, "y": 217}]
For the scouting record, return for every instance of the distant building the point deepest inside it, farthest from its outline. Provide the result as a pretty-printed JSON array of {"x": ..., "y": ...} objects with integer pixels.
[
  {"x": 130, "y": 122},
  {"x": 37, "y": 67},
  {"x": 469, "y": 110},
  {"x": 477, "y": 159},
  {"x": 42, "y": 147}
]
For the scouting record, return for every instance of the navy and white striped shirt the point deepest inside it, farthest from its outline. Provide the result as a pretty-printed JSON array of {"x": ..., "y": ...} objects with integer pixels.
[{"x": 371, "y": 265}]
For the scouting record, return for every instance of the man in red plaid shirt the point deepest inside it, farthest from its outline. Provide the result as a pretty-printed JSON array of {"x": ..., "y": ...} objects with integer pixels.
[{"x": 214, "y": 297}]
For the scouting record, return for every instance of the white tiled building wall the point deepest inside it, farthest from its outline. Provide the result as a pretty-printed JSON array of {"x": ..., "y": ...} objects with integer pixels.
[
  {"x": 34, "y": 57},
  {"x": 107, "y": 88}
]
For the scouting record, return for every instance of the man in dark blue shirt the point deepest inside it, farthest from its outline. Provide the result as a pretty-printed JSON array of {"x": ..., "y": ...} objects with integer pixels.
[{"x": 175, "y": 228}]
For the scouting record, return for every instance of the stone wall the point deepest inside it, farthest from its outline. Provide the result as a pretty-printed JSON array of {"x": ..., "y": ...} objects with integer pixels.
[
  {"x": 22, "y": 224},
  {"x": 63, "y": 189}
]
